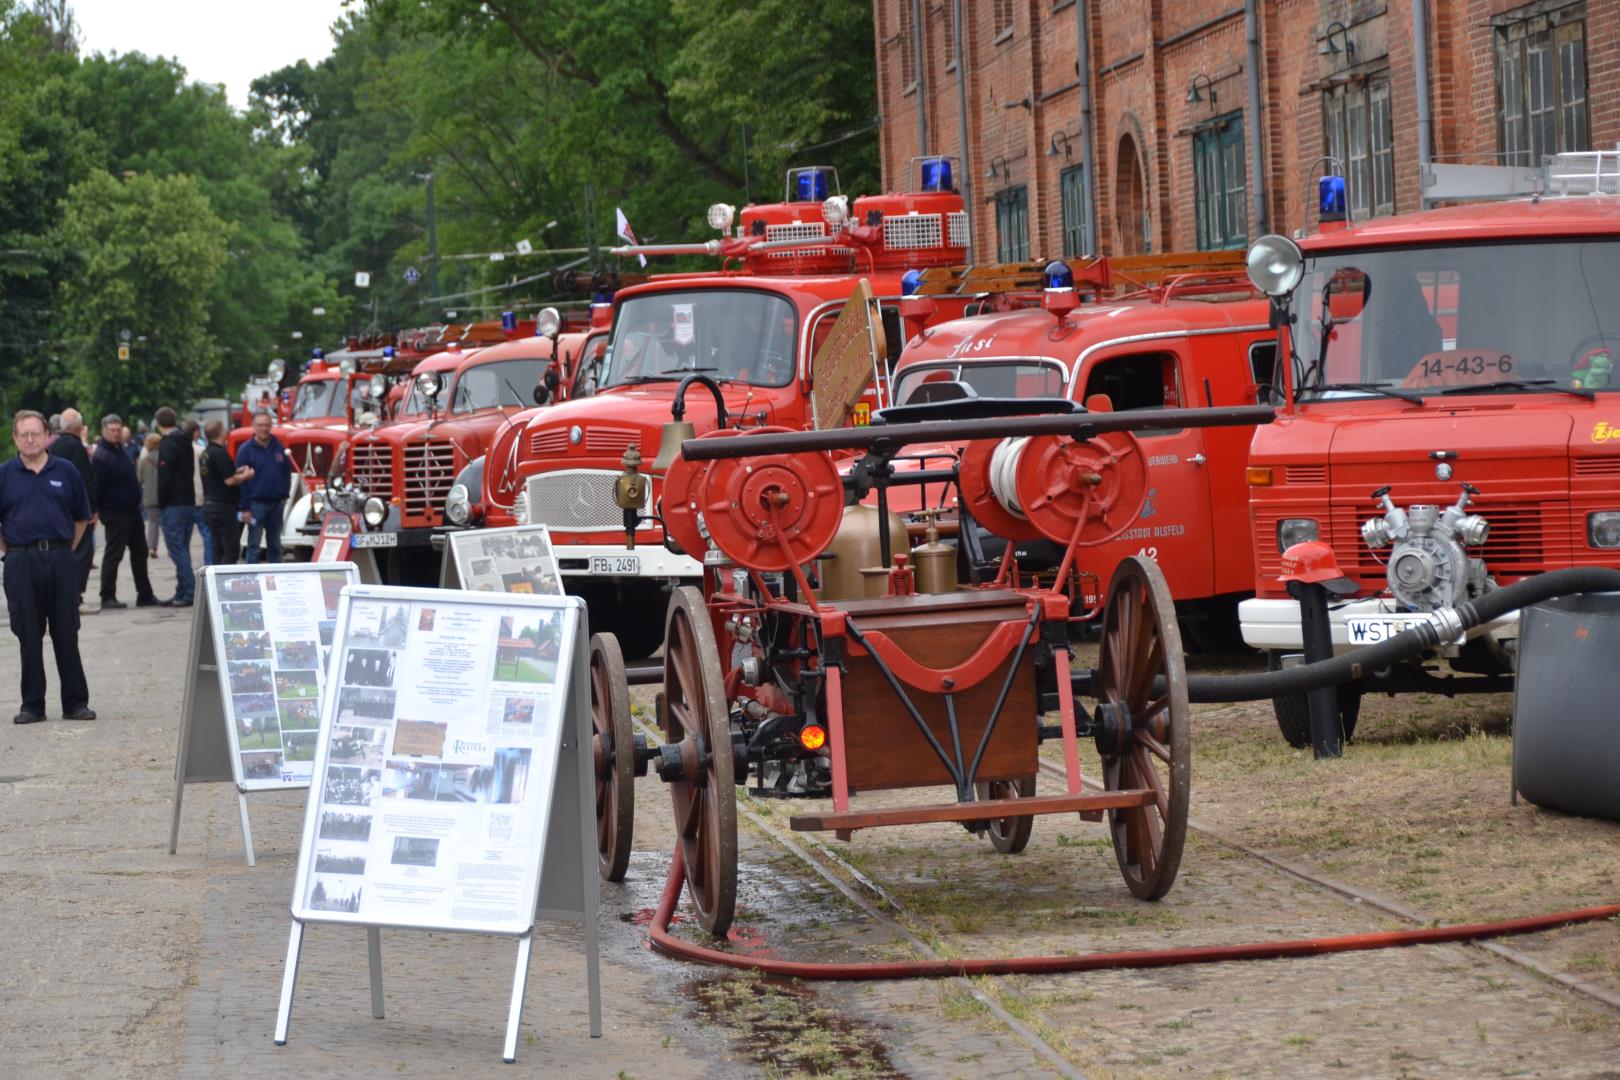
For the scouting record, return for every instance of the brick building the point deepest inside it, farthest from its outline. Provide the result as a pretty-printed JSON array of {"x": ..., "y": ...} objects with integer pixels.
[{"x": 1181, "y": 158}]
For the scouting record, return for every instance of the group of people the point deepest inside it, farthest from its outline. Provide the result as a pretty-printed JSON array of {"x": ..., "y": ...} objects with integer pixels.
[{"x": 56, "y": 489}]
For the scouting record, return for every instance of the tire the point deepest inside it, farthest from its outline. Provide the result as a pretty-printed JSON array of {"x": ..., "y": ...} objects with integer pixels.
[
  {"x": 623, "y": 611},
  {"x": 1293, "y": 711}
]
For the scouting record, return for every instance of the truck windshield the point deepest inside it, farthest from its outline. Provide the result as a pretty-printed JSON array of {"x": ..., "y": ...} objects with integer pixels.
[
  {"x": 318, "y": 400},
  {"x": 1004, "y": 378},
  {"x": 730, "y": 334},
  {"x": 491, "y": 386},
  {"x": 1463, "y": 319}
]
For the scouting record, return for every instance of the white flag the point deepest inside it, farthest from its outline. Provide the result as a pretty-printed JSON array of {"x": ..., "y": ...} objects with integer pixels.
[{"x": 622, "y": 223}]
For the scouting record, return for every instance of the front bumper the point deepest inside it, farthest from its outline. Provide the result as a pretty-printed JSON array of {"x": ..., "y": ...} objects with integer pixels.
[
  {"x": 1274, "y": 624},
  {"x": 614, "y": 561}
]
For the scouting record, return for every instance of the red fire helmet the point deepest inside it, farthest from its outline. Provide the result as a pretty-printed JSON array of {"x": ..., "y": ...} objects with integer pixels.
[{"x": 1313, "y": 562}]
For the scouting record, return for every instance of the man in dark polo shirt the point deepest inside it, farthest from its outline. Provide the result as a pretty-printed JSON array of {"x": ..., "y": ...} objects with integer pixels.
[
  {"x": 220, "y": 480},
  {"x": 118, "y": 491},
  {"x": 264, "y": 495},
  {"x": 44, "y": 512},
  {"x": 177, "y": 499}
]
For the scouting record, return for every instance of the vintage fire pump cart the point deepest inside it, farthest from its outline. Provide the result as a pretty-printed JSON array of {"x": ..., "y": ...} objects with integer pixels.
[{"x": 770, "y": 670}]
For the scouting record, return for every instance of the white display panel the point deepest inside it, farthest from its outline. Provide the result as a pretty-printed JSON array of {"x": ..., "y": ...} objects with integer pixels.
[
  {"x": 436, "y": 760},
  {"x": 518, "y": 560}
]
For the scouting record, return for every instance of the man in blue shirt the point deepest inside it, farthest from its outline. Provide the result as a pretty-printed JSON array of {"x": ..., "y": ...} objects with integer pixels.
[
  {"x": 44, "y": 512},
  {"x": 264, "y": 489}
]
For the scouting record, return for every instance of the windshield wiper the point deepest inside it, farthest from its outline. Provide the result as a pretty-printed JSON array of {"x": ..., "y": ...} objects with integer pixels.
[
  {"x": 1520, "y": 384},
  {"x": 1370, "y": 388}
]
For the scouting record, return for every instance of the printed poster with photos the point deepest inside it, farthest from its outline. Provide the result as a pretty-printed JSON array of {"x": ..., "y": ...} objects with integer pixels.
[
  {"x": 272, "y": 633},
  {"x": 442, "y": 729},
  {"x": 518, "y": 560}
]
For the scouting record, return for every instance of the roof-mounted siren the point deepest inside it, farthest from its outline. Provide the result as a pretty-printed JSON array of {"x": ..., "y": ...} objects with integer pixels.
[
  {"x": 936, "y": 173},
  {"x": 1058, "y": 296},
  {"x": 924, "y": 227},
  {"x": 916, "y": 308},
  {"x": 509, "y": 322},
  {"x": 1332, "y": 202},
  {"x": 811, "y": 183}
]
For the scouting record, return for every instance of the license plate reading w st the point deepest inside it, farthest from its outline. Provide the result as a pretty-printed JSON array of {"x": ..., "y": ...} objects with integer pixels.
[
  {"x": 1372, "y": 629},
  {"x": 615, "y": 565}
]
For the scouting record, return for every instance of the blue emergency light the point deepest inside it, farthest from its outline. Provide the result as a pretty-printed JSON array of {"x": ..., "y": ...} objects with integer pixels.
[
  {"x": 388, "y": 352},
  {"x": 810, "y": 185},
  {"x": 317, "y": 353},
  {"x": 509, "y": 321},
  {"x": 910, "y": 282},
  {"x": 1058, "y": 275},
  {"x": 1330, "y": 198},
  {"x": 936, "y": 174}
]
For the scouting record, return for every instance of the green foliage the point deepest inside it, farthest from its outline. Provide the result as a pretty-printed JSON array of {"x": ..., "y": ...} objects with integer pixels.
[{"x": 148, "y": 250}]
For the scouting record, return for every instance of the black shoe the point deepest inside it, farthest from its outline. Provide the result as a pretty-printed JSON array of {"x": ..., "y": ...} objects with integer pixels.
[
  {"x": 177, "y": 602},
  {"x": 113, "y": 605},
  {"x": 83, "y": 712},
  {"x": 25, "y": 717},
  {"x": 148, "y": 601}
]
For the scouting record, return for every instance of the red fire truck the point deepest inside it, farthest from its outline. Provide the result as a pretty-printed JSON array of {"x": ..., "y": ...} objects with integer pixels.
[
  {"x": 1142, "y": 332},
  {"x": 1450, "y": 419},
  {"x": 749, "y": 330}
]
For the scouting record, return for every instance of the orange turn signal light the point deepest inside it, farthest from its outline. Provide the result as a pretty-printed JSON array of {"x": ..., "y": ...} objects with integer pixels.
[
  {"x": 813, "y": 737},
  {"x": 1258, "y": 475}
]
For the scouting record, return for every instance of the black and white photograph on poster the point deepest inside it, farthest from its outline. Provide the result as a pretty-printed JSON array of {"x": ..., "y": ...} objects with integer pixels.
[
  {"x": 299, "y": 714},
  {"x": 333, "y": 892},
  {"x": 242, "y": 616},
  {"x": 240, "y": 587},
  {"x": 340, "y": 859},
  {"x": 527, "y": 649},
  {"x": 253, "y": 705},
  {"x": 519, "y": 561},
  {"x": 298, "y": 684},
  {"x": 247, "y": 646},
  {"x": 296, "y": 654},
  {"x": 375, "y": 624},
  {"x": 363, "y": 746},
  {"x": 336, "y": 825},
  {"x": 414, "y": 851},
  {"x": 364, "y": 706},
  {"x": 351, "y": 786},
  {"x": 298, "y": 745},
  {"x": 411, "y": 780},
  {"x": 261, "y": 765},
  {"x": 250, "y": 676},
  {"x": 369, "y": 667}
]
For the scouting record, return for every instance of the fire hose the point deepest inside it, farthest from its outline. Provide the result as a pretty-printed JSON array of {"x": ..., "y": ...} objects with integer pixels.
[{"x": 1447, "y": 626}]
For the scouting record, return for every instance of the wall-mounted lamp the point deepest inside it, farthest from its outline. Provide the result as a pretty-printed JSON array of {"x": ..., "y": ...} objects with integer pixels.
[
  {"x": 1052, "y": 150},
  {"x": 998, "y": 167},
  {"x": 1332, "y": 48},
  {"x": 1021, "y": 103},
  {"x": 1194, "y": 97}
]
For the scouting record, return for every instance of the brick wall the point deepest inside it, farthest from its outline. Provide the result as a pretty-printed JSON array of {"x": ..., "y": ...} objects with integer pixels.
[{"x": 1023, "y": 101}]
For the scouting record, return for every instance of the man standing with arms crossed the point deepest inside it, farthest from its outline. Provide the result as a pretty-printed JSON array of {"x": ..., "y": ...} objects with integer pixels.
[
  {"x": 44, "y": 513},
  {"x": 264, "y": 495}
]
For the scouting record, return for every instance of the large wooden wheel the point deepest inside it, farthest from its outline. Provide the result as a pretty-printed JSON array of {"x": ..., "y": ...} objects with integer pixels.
[
  {"x": 1143, "y": 733},
  {"x": 1008, "y": 835},
  {"x": 613, "y": 753},
  {"x": 696, "y": 720}
]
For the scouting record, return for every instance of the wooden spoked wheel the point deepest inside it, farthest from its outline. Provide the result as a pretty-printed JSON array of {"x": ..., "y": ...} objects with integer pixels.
[
  {"x": 1008, "y": 835},
  {"x": 613, "y": 755},
  {"x": 697, "y": 721},
  {"x": 1143, "y": 725}
]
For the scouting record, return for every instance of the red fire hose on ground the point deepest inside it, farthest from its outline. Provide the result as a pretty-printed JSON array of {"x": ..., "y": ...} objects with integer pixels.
[{"x": 672, "y": 946}]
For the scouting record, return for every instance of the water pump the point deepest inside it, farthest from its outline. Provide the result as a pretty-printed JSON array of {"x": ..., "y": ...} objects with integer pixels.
[{"x": 1429, "y": 567}]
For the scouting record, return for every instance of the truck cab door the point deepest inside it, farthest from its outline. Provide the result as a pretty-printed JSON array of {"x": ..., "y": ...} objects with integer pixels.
[{"x": 1174, "y": 527}]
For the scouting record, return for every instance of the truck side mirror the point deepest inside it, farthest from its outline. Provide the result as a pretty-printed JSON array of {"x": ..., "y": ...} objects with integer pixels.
[{"x": 542, "y": 393}]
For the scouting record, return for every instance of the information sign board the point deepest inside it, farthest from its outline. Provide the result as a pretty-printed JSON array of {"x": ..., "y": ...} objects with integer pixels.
[
  {"x": 517, "y": 560},
  {"x": 333, "y": 543},
  {"x": 846, "y": 363}
]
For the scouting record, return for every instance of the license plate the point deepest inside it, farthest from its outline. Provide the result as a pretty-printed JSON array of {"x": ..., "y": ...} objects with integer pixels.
[
  {"x": 1372, "y": 629},
  {"x": 616, "y": 564},
  {"x": 375, "y": 540}
]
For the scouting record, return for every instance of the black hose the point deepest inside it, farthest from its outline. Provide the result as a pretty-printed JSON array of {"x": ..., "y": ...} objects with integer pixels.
[{"x": 1211, "y": 689}]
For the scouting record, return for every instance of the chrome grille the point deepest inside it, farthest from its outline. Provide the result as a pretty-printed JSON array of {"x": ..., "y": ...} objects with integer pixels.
[
  {"x": 911, "y": 231},
  {"x": 430, "y": 469},
  {"x": 549, "y": 441},
  {"x": 373, "y": 468},
  {"x": 574, "y": 500},
  {"x": 610, "y": 440},
  {"x": 959, "y": 228}
]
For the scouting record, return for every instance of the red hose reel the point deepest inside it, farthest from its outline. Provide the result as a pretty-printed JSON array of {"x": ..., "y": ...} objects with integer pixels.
[{"x": 1051, "y": 485}]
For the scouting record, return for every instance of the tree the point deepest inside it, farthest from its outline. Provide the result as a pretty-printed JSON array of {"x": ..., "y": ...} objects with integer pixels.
[{"x": 147, "y": 250}]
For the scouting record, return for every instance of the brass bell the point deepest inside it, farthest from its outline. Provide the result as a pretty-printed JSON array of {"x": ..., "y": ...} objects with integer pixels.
[{"x": 669, "y": 443}]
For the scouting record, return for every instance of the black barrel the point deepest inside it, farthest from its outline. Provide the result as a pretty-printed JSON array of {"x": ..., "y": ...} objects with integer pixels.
[{"x": 1566, "y": 727}]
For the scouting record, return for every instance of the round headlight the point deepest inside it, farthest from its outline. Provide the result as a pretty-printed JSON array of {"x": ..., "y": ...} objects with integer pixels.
[
  {"x": 377, "y": 387},
  {"x": 1276, "y": 265},
  {"x": 427, "y": 384},
  {"x": 346, "y": 366},
  {"x": 457, "y": 504},
  {"x": 721, "y": 216},
  {"x": 277, "y": 369},
  {"x": 374, "y": 511},
  {"x": 835, "y": 211},
  {"x": 548, "y": 322}
]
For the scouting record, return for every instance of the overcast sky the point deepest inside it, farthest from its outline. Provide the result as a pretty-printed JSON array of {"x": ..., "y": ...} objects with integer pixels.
[{"x": 217, "y": 41}]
